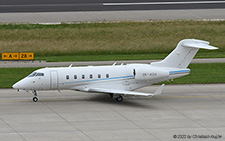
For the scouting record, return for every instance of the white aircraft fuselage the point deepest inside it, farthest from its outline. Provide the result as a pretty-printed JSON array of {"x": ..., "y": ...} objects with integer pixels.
[
  {"x": 116, "y": 80},
  {"x": 126, "y": 77}
]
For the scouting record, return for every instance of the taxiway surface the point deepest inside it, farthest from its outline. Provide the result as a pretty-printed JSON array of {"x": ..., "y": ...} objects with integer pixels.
[
  {"x": 190, "y": 110},
  {"x": 104, "y": 5},
  {"x": 19, "y": 64},
  {"x": 57, "y": 11},
  {"x": 103, "y": 16}
]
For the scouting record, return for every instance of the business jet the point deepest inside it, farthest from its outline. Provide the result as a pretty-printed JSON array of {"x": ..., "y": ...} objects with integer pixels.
[{"x": 115, "y": 80}]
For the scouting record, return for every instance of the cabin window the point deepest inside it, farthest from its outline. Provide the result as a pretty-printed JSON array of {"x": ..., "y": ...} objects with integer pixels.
[
  {"x": 99, "y": 75},
  {"x": 107, "y": 75},
  {"x": 75, "y": 76},
  {"x": 91, "y": 76},
  {"x": 67, "y": 77},
  {"x": 83, "y": 76}
]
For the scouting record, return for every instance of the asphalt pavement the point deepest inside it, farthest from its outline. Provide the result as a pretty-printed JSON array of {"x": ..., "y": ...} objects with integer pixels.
[
  {"x": 7, "y": 6},
  {"x": 181, "y": 112},
  {"x": 70, "y": 11}
]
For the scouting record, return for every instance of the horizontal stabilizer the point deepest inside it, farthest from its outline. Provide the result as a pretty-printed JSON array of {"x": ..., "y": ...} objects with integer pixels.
[{"x": 198, "y": 44}]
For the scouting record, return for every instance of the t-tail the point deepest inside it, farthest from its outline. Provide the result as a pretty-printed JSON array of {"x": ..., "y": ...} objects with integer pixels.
[{"x": 183, "y": 54}]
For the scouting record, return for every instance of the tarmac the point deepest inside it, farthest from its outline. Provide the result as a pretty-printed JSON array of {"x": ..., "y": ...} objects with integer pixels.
[
  {"x": 103, "y": 16},
  {"x": 181, "y": 112}
]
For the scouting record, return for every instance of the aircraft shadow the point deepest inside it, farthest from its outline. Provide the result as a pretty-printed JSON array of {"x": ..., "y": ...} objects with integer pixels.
[
  {"x": 105, "y": 99},
  {"x": 127, "y": 102}
]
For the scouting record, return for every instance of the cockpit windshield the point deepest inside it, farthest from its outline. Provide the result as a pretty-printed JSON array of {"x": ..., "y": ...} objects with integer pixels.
[
  {"x": 33, "y": 74},
  {"x": 40, "y": 74}
]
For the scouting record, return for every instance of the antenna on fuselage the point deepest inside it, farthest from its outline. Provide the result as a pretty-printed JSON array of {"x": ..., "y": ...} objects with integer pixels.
[
  {"x": 114, "y": 64},
  {"x": 70, "y": 65}
]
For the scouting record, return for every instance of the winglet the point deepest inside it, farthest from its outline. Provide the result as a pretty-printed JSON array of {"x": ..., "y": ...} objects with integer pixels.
[{"x": 159, "y": 90}]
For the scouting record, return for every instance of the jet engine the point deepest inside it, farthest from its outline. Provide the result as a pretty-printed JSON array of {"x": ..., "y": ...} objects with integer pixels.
[{"x": 150, "y": 73}]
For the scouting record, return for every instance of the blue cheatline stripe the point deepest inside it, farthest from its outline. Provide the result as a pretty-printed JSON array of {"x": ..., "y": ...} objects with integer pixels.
[
  {"x": 179, "y": 71},
  {"x": 113, "y": 78}
]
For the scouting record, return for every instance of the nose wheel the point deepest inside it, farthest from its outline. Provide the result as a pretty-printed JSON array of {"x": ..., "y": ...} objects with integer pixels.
[{"x": 35, "y": 99}]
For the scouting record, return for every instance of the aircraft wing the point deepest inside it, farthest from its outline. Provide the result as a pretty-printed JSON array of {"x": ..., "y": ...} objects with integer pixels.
[{"x": 124, "y": 92}]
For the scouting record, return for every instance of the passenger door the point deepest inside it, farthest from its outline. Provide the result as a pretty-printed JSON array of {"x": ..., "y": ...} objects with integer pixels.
[{"x": 53, "y": 80}]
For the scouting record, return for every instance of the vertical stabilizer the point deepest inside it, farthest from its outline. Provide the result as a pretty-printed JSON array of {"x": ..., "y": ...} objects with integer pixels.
[{"x": 183, "y": 54}]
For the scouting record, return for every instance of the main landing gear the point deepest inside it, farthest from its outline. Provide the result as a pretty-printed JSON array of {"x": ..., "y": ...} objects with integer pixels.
[
  {"x": 35, "y": 99},
  {"x": 118, "y": 98}
]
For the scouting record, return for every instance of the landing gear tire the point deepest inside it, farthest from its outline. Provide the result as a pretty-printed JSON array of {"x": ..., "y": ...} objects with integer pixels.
[
  {"x": 119, "y": 99},
  {"x": 35, "y": 99}
]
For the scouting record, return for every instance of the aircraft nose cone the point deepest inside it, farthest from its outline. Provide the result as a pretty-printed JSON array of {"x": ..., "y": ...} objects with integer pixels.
[{"x": 16, "y": 86}]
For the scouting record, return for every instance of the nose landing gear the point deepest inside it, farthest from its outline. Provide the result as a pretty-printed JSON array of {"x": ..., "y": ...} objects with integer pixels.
[{"x": 35, "y": 99}]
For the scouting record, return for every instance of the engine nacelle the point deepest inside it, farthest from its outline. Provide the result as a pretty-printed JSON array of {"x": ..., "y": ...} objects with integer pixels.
[{"x": 150, "y": 73}]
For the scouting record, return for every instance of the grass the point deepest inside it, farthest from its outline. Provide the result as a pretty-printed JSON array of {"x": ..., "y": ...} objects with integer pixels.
[
  {"x": 101, "y": 41},
  {"x": 9, "y": 76},
  {"x": 102, "y": 57},
  {"x": 106, "y": 57},
  {"x": 203, "y": 74},
  {"x": 200, "y": 73}
]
